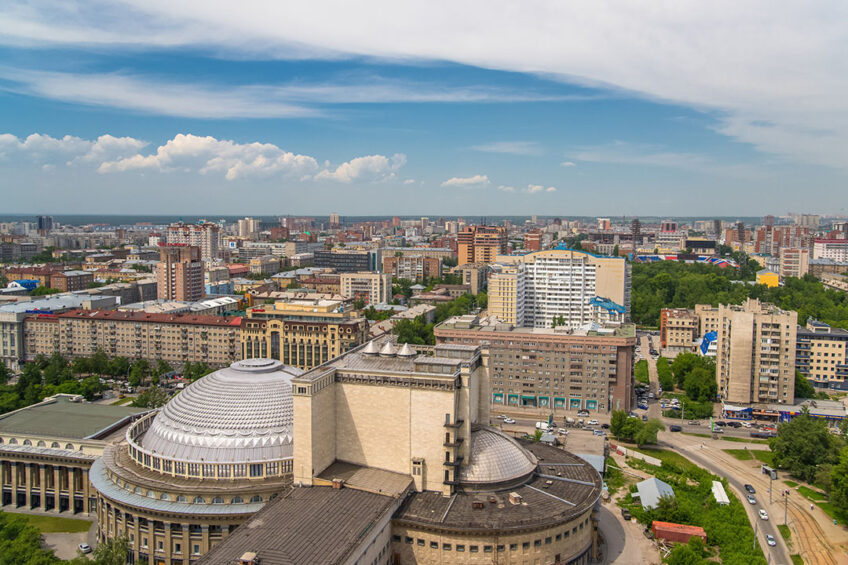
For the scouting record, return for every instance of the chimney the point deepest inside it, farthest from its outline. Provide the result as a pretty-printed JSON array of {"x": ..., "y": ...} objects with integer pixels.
[
  {"x": 249, "y": 558},
  {"x": 338, "y": 483},
  {"x": 514, "y": 498}
]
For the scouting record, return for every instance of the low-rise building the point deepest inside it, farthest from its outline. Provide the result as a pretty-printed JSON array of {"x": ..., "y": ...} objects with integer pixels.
[
  {"x": 544, "y": 371},
  {"x": 835, "y": 281},
  {"x": 678, "y": 330},
  {"x": 767, "y": 277}
]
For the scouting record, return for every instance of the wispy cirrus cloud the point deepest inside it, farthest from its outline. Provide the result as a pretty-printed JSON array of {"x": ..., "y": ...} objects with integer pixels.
[
  {"x": 510, "y": 147},
  {"x": 476, "y": 181},
  {"x": 772, "y": 72}
]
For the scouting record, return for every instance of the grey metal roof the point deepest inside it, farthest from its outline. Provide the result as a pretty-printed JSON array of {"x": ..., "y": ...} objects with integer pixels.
[
  {"x": 496, "y": 458},
  {"x": 651, "y": 490},
  {"x": 239, "y": 413},
  {"x": 65, "y": 416},
  {"x": 101, "y": 481},
  {"x": 51, "y": 451}
]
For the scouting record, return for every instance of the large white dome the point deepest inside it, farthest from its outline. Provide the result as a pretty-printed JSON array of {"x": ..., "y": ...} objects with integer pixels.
[{"x": 240, "y": 413}]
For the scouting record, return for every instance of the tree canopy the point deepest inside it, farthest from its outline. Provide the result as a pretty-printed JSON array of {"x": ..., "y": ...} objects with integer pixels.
[{"x": 803, "y": 444}]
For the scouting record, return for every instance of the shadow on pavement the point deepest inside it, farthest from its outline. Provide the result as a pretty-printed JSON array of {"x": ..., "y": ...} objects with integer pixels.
[{"x": 613, "y": 532}]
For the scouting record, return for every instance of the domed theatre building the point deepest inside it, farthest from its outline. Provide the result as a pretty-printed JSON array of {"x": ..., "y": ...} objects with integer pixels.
[{"x": 186, "y": 475}]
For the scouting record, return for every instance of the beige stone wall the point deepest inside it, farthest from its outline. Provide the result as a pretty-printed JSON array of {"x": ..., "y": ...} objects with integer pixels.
[
  {"x": 314, "y": 440},
  {"x": 566, "y": 541}
]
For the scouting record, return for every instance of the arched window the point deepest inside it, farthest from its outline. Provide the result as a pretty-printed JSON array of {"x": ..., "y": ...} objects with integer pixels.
[
  {"x": 198, "y": 500},
  {"x": 27, "y": 442},
  {"x": 138, "y": 490},
  {"x": 1, "y": 440},
  {"x": 150, "y": 494},
  {"x": 237, "y": 500},
  {"x": 13, "y": 441},
  {"x": 69, "y": 446},
  {"x": 256, "y": 498},
  {"x": 217, "y": 500},
  {"x": 55, "y": 445},
  {"x": 164, "y": 496},
  {"x": 41, "y": 444},
  {"x": 181, "y": 498}
]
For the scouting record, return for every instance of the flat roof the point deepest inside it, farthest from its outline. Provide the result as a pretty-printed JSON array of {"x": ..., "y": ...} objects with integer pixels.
[
  {"x": 305, "y": 525},
  {"x": 60, "y": 416},
  {"x": 137, "y": 316}
]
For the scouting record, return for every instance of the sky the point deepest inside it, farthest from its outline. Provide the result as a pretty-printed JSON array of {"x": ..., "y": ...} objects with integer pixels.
[{"x": 441, "y": 107}]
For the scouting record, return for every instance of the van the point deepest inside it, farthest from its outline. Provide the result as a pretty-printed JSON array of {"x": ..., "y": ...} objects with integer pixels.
[
  {"x": 569, "y": 420},
  {"x": 542, "y": 426}
]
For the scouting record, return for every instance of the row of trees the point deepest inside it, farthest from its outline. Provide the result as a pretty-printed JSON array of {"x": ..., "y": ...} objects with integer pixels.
[
  {"x": 696, "y": 375},
  {"x": 664, "y": 375},
  {"x": 419, "y": 332}
]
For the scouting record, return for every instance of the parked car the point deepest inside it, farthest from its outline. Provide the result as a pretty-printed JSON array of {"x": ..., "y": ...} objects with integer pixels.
[
  {"x": 718, "y": 430},
  {"x": 84, "y": 548},
  {"x": 508, "y": 421},
  {"x": 562, "y": 432},
  {"x": 750, "y": 489},
  {"x": 625, "y": 513},
  {"x": 675, "y": 429},
  {"x": 694, "y": 423},
  {"x": 770, "y": 540},
  {"x": 644, "y": 417},
  {"x": 763, "y": 514},
  {"x": 502, "y": 417},
  {"x": 721, "y": 423},
  {"x": 582, "y": 412},
  {"x": 592, "y": 422},
  {"x": 751, "y": 499},
  {"x": 734, "y": 424},
  {"x": 605, "y": 426}
]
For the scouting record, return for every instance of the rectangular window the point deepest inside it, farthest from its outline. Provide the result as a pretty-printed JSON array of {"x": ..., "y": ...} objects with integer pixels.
[
  {"x": 420, "y": 542},
  {"x": 474, "y": 549},
  {"x": 408, "y": 540},
  {"x": 460, "y": 547}
]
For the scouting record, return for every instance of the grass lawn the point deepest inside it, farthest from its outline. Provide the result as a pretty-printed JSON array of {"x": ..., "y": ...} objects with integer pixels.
[
  {"x": 814, "y": 495},
  {"x": 614, "y": 478},
  {"x": 667, "y": 457},
  {"x": 791, "y": 484},
  {"x": 122, "y": 401},
  {"x": 796, "y": 559},
  {"x": 787, "y": 535},
  {"x": 740, "y": 454},
  {"x": 55, "y": 524},
  {"x": 745, "y": 440},
  {"x": 763, "y": 456}
]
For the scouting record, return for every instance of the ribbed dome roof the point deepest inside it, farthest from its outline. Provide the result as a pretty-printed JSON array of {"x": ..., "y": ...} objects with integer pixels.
[
  {"x": 239, "y": 413},
  {"x": 495, "y": 459}
]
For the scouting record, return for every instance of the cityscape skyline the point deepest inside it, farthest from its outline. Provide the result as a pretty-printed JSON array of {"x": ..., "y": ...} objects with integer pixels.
[{"x": 145, "y": 106}]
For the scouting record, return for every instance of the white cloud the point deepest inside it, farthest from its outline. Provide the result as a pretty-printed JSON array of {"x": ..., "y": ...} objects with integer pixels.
[
  {"x": 567, "y": 164},
  {"x": 771, "y": 62},
  {"x": 534, "y": 188},
  {"x": 409, "y": 181},
  {"x": 369, "y": 168},
  {"x": 504, "y": 188},
  {"x": 510, "y": 147},
  {"x": 476, "y": 181},
  {"x": 41, "y": 148}
]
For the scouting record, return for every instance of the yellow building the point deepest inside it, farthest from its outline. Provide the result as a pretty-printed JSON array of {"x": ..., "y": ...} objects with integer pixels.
[
  {"x": 768, "y": 278},
  {"x": 506, "y": 292},
  {"x": 302, "y": 332}
]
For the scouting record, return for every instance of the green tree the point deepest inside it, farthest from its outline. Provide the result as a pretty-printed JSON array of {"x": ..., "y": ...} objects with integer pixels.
[
  {"x": 44, "y": 291},
  {"x": 839, "y": 482},
  {"x": 20, "y": 542},
  {"x": 482, "y": 299},
  {"x": 617, "y": 421},
  {"x": 803, "y": 444},
  {"x": 112, "y": 551},
  {"x": 139, "y": 371},
  {"x": 152, "y": 398},
  {"x": 647, "y": 433},
  {"x": 664, "y": 374},
  {"x": 688, "y": 554},
  {"x": 4, "y": 374},
  {"x": 99, "y": 362},
  {"x": 118, "y": 366},
  {"x": 700, "y": 385},
  {"x": 162, "y": 367},
  {"x": 803, "y": 388},
  {"x": 640, "y": 372}
]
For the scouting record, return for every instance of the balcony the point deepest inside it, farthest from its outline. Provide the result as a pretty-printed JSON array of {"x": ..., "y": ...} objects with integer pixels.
[
  {"x": 455, "y": 425},
  {"x": 455, "y": 463},
  {"x": 455, "y": 443}
]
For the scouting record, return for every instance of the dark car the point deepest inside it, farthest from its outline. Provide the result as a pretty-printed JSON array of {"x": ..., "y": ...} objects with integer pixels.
[
  {"x": 625, "y": 513},
  {"x": 750, "y": 489},
  {"x": 605, "y": 426},
  {"x": 734, "y": 424},
  {"x": 675, "y": 429},
  {"x": 721, "y": 423}
]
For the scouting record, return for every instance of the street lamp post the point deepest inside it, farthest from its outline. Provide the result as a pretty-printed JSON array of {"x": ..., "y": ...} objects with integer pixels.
[{"x": 785, "y": 505}]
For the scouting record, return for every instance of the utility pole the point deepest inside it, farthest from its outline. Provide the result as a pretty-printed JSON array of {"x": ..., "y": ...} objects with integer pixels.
[
  {"x": 785, "y": 505},
  {"x": 756, "y": 529},
  {"x": 771, "y": 483}
]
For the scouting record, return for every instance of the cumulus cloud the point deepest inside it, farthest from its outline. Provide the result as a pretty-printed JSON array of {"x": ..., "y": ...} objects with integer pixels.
[
  {"x": 567, "y": 164},
  {"x": 534, "y": 188},
  {"x": 505, "y": 188},
  {"x": 476, "y": 181},
  {"x": 510, "y": 147},
  {"x": 48, "y": 150},
  {"x": 770, "y": 71},
  {"x": 368, "y": 168}
]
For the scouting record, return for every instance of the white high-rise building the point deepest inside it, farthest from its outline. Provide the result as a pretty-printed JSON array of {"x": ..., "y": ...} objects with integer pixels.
[{"x": 205, "y": 236}]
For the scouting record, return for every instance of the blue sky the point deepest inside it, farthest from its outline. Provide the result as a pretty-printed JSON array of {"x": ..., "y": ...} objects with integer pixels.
[{"x": 448, "y": 108}]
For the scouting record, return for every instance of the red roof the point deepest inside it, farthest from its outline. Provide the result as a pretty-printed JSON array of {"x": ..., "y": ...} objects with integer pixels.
[
  {"x": 193, "y": 319},
  {"x": 682, "y": 528}
]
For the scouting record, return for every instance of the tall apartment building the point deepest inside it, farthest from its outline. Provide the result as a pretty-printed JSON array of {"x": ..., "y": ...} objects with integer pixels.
[
  {"x": 248, "y": 227},
  {"x": 179, "y": 273},
  {"x": 549, "y": 370},
  {"x": 175, "y": 338},
  {"x": 794, "y": 262},
  {"x": 205, "y": 236},
  {"x": 373, "y": 288},
  {"x": 334, "y": 220},
  {"x": 533, "y": 240},
  {"x": 755, "y": 351},
  {"x": 474, "y": 275},
  {"x": 302, "y": 332},
  {"x": 413, "y": 267},
  {"x": 678, "y": 330},
  {"x": 481, "y": 244},
  {"x": 536, "y": 288},
  {"x": 821, "y": 355}
]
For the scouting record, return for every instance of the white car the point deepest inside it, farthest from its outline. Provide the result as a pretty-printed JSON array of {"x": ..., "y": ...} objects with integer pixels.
[
  {"x": 508, "y": 421},
  {"x": 763, "y": 514},
  {"x": 84, "y": 548},
  {"x": 502, "y": 417},
  {"x": 592, "y": 422},
  {"x": 770, "y": 540}
]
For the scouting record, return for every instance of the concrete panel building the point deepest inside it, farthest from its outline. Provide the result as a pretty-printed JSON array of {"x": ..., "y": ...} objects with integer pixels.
[
  {"x": 179, "y": 273},
  {"x": 755, "y": 358},
  {"x": 821, "y": 355},
  {"x": 205, "y": 236},
  {"x": 794, "y": 262},
  {"x": 412, "y": 267},
  {"x": 481, "y": 244},
  {"x": 373, "y": 288}
]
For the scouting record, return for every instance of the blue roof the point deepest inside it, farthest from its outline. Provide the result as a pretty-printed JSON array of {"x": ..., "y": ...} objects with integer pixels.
[{"x": 607, "y": 304}]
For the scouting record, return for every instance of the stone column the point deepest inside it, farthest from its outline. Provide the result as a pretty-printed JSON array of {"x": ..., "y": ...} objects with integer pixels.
[
  {"x": 86, "y": 490},
  {"x": 15, "y": 484},
  {"x": 28, "y": 479},
  {"x": 186, "y": 543},
  {"x": 204, "y": 538},
  {"x": 168, "y": 545},
  {"x": 57, "y": 488},
  {"x": 42, "y": 486}
]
